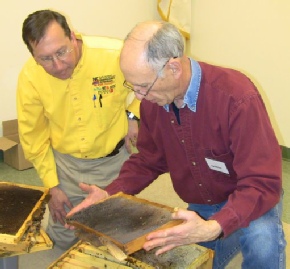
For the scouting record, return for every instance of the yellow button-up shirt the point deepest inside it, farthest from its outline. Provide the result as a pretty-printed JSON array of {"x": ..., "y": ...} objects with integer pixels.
[{"x": 83, "y": 116}]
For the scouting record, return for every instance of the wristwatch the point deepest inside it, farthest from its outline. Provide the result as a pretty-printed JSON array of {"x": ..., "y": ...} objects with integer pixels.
[{"x": 131, "y": 116}]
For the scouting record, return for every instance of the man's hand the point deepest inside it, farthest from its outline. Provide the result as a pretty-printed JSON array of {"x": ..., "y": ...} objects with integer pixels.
[
  {"x": 95, "y": 194},
  {"x": 194, "y": 229},
  {"x": 131, "y": 137},
  {"x": 57, "y": 204}
]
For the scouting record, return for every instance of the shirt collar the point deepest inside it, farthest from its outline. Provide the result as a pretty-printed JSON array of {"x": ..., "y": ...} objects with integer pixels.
[{"x": 191, "y": 95}]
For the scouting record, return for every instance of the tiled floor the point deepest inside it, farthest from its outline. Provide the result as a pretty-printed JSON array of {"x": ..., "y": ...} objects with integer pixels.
[{"x": 160, "y": 191}]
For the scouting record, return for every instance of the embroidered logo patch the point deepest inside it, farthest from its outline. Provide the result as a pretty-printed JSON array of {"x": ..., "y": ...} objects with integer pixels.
[
  {"x": 104, "y": 84},
  {"x": 101, "y": 86}
]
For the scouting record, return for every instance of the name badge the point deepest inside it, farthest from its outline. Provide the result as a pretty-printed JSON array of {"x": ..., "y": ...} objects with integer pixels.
[{"x": 217, "y": 166}]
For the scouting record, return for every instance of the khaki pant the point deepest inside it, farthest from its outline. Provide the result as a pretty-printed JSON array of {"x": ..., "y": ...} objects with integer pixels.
[{"x": 71, "y": 171}]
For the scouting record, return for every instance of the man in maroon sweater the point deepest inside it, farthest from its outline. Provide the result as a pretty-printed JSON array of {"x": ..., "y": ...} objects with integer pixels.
[{"x": 208, "y": 127}]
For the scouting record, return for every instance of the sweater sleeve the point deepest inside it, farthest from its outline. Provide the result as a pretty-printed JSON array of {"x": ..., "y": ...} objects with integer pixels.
[{"x": 257, "y": 162}]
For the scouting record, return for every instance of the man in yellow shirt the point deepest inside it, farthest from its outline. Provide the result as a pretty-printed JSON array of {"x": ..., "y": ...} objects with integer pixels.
[{"x": 75, "y": 123}]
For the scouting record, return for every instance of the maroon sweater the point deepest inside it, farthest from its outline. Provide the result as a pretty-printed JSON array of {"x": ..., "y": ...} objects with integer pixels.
[{"x": 230, "y": 125}]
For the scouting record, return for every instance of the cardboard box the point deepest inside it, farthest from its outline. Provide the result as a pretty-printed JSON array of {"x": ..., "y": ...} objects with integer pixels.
[{"x": 10, "y": 144}]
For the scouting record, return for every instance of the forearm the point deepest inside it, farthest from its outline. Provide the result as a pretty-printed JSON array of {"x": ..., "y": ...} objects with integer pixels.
[
  {"x": 44, "y": 164},
  {"x": 134, "y": 107}
]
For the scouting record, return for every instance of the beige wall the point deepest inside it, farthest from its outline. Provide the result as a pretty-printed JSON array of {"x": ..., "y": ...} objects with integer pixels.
[
  {"x": 253, "y": 37},
  {"x": 101, "y": 17}
]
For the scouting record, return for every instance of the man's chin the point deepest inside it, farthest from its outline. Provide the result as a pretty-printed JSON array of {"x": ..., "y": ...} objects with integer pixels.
[
  {"x": 160, "y": 103},
  {"x": 61, "y": 76}
]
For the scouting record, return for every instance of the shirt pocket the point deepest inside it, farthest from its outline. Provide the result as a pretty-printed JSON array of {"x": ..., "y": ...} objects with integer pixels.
[
  {"x": 109, "y": 104},
  {"x": 225, "y": 159}
]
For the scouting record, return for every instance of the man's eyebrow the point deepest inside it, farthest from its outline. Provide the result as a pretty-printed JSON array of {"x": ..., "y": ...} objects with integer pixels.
[{"x": 61, "y": 48}]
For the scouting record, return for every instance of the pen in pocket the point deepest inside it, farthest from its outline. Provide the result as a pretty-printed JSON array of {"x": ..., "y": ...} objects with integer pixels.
[{"x": 100, "y": 100}]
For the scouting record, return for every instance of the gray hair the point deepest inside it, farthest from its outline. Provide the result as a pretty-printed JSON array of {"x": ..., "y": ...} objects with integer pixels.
[{"x": 167, "y": 42}]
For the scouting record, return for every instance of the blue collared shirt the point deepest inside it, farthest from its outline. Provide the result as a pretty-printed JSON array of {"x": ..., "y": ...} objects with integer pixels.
[{"x": 190, "y": 98}]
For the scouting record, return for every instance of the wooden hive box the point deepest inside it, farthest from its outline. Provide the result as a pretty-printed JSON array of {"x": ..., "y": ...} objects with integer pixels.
[
  {"x": 83, "y": 256},
  {"x": 21, "y": 210},
  {"x": 123, "y": 219}
]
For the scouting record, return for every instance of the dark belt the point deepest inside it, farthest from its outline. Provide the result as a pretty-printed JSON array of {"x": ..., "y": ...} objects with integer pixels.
[{"x": 116, "y": 149}]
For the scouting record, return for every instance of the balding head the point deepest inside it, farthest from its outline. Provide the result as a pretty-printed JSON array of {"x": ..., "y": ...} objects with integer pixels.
[
  {"x": 150, "y": 44},
  {"x": 153, "y": 51},
  {"x": 144, "y": 31}
]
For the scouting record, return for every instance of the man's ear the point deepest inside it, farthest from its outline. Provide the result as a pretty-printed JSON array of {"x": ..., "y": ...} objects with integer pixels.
[
  {"x": 175, "y": 67},
  {"x": 73, "y": 36}
]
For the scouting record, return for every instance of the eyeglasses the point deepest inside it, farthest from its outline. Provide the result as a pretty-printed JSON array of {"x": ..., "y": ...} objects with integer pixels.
[
  {"x": 131, "y": 86},
  {"x": 61, "y": 55}
]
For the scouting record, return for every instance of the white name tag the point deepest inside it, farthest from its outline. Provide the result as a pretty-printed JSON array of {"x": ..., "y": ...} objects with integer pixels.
[{"x": 217, "y": 166}]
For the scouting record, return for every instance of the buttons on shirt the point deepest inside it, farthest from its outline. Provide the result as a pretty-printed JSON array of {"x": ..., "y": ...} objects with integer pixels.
[
  {"x": 194, "y": 163},
  {"x": 172, "y": 121},
  {"x": 182, "y": 141}
]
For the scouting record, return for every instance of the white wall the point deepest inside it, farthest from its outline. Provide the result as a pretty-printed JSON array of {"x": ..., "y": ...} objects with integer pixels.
[
  {"x": 253, "y": 37},
  {"x": 93, "y": 17}
]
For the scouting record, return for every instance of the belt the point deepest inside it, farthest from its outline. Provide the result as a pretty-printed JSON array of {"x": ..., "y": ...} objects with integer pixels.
[{"x": 117, "y": 148}]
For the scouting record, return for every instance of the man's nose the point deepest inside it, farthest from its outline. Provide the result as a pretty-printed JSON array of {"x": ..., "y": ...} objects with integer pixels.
[
  {"x": 57, "y": 63},
  {"x": 139, "y": 95},
  {"x": 140, "y": 90}
]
